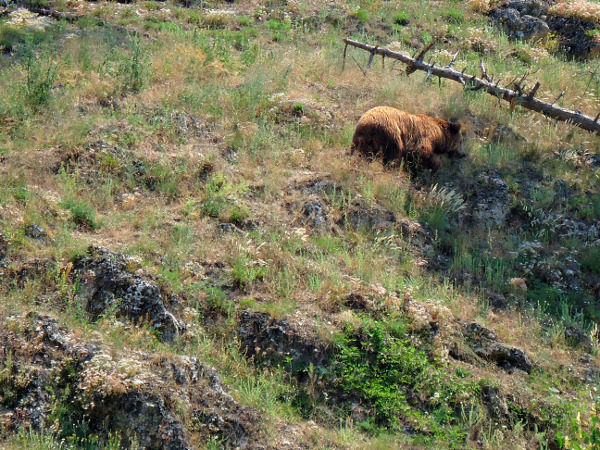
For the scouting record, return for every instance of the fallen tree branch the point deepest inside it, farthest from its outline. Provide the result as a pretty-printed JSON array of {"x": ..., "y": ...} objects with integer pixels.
[{"x": 471, "y": 82}]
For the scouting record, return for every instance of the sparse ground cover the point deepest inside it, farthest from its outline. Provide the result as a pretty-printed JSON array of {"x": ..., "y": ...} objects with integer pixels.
[{"x": 341, "y": 304}]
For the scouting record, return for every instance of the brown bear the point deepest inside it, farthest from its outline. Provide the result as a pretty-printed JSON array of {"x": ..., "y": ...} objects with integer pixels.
[{"x": 398, "y": 136}]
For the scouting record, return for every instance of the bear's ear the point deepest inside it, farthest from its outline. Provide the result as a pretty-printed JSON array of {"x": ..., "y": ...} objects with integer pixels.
[{"x": 454, "y": 127}]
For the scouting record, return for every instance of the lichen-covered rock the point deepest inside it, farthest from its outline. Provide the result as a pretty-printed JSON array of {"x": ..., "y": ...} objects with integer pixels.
[
  {"x": 575, "y": 36},
  {"x": 520, "y": 25},
  {"x": 485, "y": 345},
  {"x": 375, "y": 219},
  {"x": 506, "y": 357},
  {"x": 558, "y": 268},
  {"x": 488, "y": 200},
  {"x": 527, "y": 7},
  {"x": 576, "y": 336},
  {"x": 533, "y": 20},
  {"x": 277, "y": 342},
  {"x": 36, "y": 232},
  {"x": 158, "y": 401},
  {"x": 34, "y": 351},
  {"x": 316, "y": 215},
  {"x": 106, "y": 282}
]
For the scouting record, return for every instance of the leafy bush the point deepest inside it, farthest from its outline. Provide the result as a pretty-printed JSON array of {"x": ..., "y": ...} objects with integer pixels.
[
  {"x": 584, "y": 434},
  {"x": 83, "y": 214},
  {"x": 379, "y": 368},
  {"x": 401, "y": 19},
  {"x": 40, "y": 73},
  {"x": 215, "y": 201},
  {"x": 454, "y": 15},
  {"x": 362, "y": 15},
  {"x": 590, "y": 259},
  {"x": 10, "y": 37},
  {"x": 278, "y": 25},
  {"x": 399, "y": 382},
  {"x": 134, "y": 66}
]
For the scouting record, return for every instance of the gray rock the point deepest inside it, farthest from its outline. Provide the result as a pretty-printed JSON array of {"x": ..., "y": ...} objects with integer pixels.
[
  {"x": 495, "y": 403},
  {"x": 576, "y": 336},
  {"x": 315, "y": 211},
  {"x": 3, "y": 246},
  {"x": 523, "y": 19},
  {"x": 523, "y": 26},
  {"x": 108, "y": 284},
  {"x": 501, "y": 133},
  {"x": 36, "y": 232},
  {"x": 592, "y": 375},
  {"x": 373, "y": 219},
  {"x": 531, "y": 7},
  {"x": 486, "y": 346},
  {"x": 158, "y": 405},
  {"x": 506, "y": 357},
  {"x": 276, "y": 342},
  {"x": 489, "y": 200}
]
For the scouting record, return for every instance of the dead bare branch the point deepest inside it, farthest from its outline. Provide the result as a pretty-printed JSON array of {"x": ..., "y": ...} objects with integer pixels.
[
  {"x": 419, "y": 58},
  {"x": 361, "y": 69},
  {"x": 471, "y": 82},
  {"x": 559, "y": 96},
  {"x": 484, "y": 74},
  {"x": 534, "y": 90},
  {"x": 453, "y": 59}
]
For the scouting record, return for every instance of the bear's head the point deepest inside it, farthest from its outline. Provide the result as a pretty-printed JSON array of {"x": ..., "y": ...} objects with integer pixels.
[{"x": 454, "y": 141}]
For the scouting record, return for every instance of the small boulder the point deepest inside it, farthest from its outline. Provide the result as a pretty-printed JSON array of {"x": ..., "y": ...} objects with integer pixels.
[
  {"x": 506, "y": 357},
  {"x": 522, "y": 26},
  {"x": 488, "y": 200},
  {"x": 36, "y": 232},
  {"x": 277, "y": 342},
  {"x": 108, "y": 283},
  {"x": 364, "y": 218},
  {"x": 486, "y": 346},
  {"x": 577, "y": 337}
]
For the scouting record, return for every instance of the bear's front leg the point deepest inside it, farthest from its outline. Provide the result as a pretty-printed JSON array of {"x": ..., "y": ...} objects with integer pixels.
[{"x": 432, "y": 162}]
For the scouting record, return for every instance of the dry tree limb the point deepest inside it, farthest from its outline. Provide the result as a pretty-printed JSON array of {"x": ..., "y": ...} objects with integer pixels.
[
  {"x": 559, "y": 96},
  {"x": 534, "y": 90},
  {"x": 484, "y": 74},
  {"x": 419, "y": 58},
  {"x": 361, "y": 69},
  {"x": 453, "y": 59},
  {"x": 372, "y": 56},
  {"x": 471, "y": 82}
]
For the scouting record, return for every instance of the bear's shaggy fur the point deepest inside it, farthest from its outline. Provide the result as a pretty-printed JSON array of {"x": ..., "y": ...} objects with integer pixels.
[{"x": 397, "y": 136}]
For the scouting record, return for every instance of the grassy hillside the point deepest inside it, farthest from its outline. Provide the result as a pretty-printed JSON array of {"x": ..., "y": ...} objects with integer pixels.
[{"x": 190, "y": 257}]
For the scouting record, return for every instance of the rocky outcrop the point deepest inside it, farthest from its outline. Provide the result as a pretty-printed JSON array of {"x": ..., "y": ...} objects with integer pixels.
[
  {"x": 376, "y": 219},
  {"x": 519, "y": 25},
  {"x": 277, "y": 342},
  {"x": 107, "y": 284},
  {"x": 316, "y": 215},
  {"x": 488, "y": 200},
  {"x": 156, "y": 401},
  {"x": 533, "y": 20},
  {"x": 486, "y": 346}
]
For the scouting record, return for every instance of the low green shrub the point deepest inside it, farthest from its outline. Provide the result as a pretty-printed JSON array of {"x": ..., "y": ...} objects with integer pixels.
[{"x": 590, "y": 259}]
